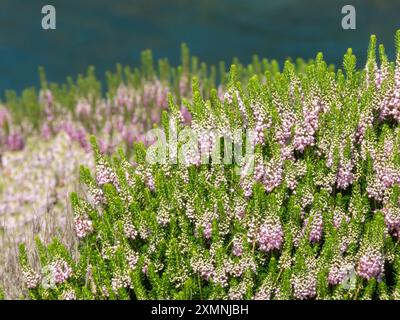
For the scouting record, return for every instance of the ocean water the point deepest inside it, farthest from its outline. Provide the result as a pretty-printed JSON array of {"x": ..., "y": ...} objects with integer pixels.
[{"x": 104, "y": 32}]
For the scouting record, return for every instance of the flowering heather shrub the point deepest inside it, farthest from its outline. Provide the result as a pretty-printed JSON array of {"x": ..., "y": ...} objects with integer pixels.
[
  {"x": 310, "y": 210},
  {"x": 131, "y": 106},
  {"x": 44, "y": 138}
]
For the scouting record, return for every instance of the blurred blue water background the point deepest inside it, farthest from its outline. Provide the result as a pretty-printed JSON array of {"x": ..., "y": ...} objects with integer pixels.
[{"x": 104, "y": 32}]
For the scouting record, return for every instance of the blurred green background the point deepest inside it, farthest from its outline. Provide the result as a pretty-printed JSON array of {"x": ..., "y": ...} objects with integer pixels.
[{"x": 104, "y": 32}]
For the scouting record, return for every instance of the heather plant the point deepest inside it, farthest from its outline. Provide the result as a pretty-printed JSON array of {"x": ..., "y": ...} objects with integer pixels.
[
  {"x": 49, "y": 129},
  {"x": 311, "y": 212}
]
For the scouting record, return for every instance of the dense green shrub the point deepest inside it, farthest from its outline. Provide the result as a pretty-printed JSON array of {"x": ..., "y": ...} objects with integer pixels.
[{"x": 317, "y": 215}]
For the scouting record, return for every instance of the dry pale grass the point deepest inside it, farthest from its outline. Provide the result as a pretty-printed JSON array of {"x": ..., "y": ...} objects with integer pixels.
[
  {"x": 46, "y": 227},
  {"x": 47, "y": 212}
]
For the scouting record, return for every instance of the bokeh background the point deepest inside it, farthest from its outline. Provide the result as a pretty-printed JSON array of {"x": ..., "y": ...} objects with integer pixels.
[{"x": 104, "y": 32}]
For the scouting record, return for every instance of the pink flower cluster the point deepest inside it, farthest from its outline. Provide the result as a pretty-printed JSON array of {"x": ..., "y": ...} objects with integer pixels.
[
  {"x": 314, "y": 224},
  {"x": 104, "y": 174},
  {"x": 316, "y": 228},
  {"x": 304, "y": 134},
  {"x": 237, "y": 248},
  {"x": 339, "y": 216},
  {"x": 381, "y": 75},
  {"x": 83, "y": 227},
  {"x": 61, "y": 271},
  {"x": 302, "y": 138},
  {"x": 365, "y": 121},
  {"x": 371, "y": 264},
  {"x": 247, "y": 185},
  {"x": 207, "y": 229},
  {"x": 270, "y": 235},
  {"x": 386, "y": 175},
  {"x": 390, "y": 105},
  {"x": 15, "y": 142},
  {"x": 260, "y": 123},
  {"x": 186, "y": 115},
  {"x": 75, "y": 131},
  {"x": 204, "y": 267},
  {"x": 31, "y": 278},
  {"x": 345, "y": 176},
  {"x": 206, "y": 142},
  {"x": 338, "y": 271},
  {"x": 238, "y": 268},
  {"x": 284, "y": 133},
  {"x": 392, "y": 220},
  {"x": 270, "y": 175},
  {"x": 304, "y": 285},
  {"x": 129, "y": 229},
  {"x": 120, "y": 280},
  {"x": 132, "y": 258},
  {"x": 149, "y": 179}
]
